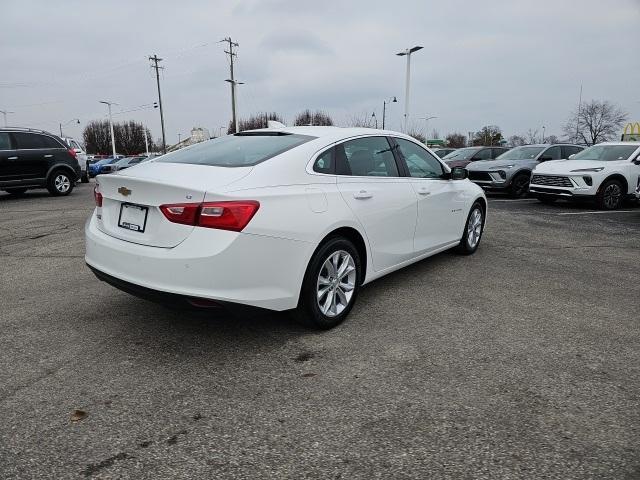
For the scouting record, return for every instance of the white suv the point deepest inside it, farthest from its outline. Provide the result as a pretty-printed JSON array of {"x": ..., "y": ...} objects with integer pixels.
[
  {"x": 607, "y": 173},
  {"x": 81, "y": 155}
]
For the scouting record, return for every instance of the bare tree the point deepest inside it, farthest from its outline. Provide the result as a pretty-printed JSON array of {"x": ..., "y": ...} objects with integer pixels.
[
  {"x": 434, "y": 134},
  {"x": 313, "y": 118},
  {"x": 417, "y": 134},
  {"x": 532, "y": 136},
  {"x": 456, "y": 140},
  {"x": 595, "y": 122},
  {"x": 128, "y": 136},
  {"x": 362, "y": 120},
  {"x": 552, "y": 139},
  {"x": 516, "y": 141},
  {"x": 258, "y": 120}
]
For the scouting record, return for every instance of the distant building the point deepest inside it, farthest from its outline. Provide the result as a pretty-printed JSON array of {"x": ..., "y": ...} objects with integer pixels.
[{"x": 198, "y": 134}]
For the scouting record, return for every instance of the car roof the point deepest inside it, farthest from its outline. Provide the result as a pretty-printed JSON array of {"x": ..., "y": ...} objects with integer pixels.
[
  {"x": 334, "y": 133},
  {"x": 636, "y": 144}
]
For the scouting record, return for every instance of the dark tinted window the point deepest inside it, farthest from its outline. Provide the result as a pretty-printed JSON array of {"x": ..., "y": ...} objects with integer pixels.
[
  {"x": 50, "y": 142},
  {"x": 367, "y": 157},
  {"x": 420, "y": 163},
  {"x": 5, "y": 141},
  {"x": 29, "y": 140},
  {"x": 569, "y": 150},
  {"x": 498, "y": 151},
  {"x": 484, "y": 154},
  {"x": 552, "y": 153},
  {"x": 324, "y": 162},
  {"x": 240, "y": 150}
]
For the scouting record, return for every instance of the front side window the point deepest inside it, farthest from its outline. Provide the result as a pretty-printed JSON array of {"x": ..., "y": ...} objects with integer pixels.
[
  {"x": 5, "y": 141},
  {"x": 240, "y": 150},
  {"x": 484, "y": 154},
  {"x": 28, "y": 141},
  {"x": 552, "y": 153},
  {"x": 420, "y": 163},
  {"x": 367, "y": 157},
  {"x": 606, "y": 153}
]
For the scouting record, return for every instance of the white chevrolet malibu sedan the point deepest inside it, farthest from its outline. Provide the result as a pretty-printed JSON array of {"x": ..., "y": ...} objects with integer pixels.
[{"x": 282, "y": 218}]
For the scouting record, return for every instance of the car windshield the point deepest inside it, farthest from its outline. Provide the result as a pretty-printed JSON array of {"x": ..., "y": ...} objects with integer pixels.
[
  {"x": 606, "y": 153},
  {"x": 239, "y": 150},
  {"x": 521, "y": 153},
  {"x": 461, "y": 154}
]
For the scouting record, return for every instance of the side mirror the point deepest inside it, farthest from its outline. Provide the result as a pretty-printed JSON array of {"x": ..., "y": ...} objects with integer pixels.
[
  {"x": 636, "y": 161},
  {"x": 459, "y": 173},
  {"x": 544, "y": 158}
]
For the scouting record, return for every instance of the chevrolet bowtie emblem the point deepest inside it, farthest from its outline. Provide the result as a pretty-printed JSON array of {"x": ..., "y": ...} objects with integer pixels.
[{"x": 124, "y": 191}]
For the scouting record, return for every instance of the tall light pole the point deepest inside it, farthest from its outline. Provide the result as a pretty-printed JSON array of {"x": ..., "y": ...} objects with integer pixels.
[
  {"x": 407, "y": 53},
  {"x": 426, "y": 126},
  {"x": 373, "y": 115},
  {"x": 543, "y": 129},
  {"x": 5, "y": 112},
  {"x": 77, "y": 120},
  {"x": 384, "y": 108},
  {"x": 113, "y": 140}
]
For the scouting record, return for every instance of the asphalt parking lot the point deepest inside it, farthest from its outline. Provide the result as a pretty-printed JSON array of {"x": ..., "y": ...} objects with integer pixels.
[{"x": 522, "y": 361}]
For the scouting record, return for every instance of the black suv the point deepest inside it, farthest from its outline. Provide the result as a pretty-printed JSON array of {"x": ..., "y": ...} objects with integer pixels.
[{"x": 36, "y": 159}]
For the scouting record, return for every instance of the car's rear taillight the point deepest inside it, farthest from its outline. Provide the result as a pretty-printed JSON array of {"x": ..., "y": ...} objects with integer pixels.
[
  {"x": 231, "y": 215},
  {"x": 73, "y": 153},
  {"x": 97, "y": 195}
]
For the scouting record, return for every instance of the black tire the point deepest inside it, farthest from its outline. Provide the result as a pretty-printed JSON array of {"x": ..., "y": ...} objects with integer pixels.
[
  {"x": 468, "y": 246},
  {"x": 60, "y": 183},
  {"x": 16, "y": 192},
  {"x": 309, "y": 312},
  {"x": 519, "y": 187},
  {"x": 610, "y": 195},
  {"x": 546, "y": 199}
]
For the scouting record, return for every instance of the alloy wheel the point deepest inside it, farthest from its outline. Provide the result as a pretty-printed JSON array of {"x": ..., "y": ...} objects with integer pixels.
[
  {"x": 474, "y": 228},
  {"x": 336, "y": 283},
  {"x": 612, "y": 195},
  {"x": 62, "y": 183}
]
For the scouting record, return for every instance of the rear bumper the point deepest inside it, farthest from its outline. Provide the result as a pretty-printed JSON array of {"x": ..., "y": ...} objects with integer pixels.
[{"x": 239, "y": 268}]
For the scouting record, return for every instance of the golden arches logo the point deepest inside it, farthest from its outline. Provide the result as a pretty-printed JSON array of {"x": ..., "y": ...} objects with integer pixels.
[{"x": 631, "y": 132}]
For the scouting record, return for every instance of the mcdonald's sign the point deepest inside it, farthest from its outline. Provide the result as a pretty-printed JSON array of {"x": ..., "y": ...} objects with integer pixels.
[{"x": 631, "y": 133}]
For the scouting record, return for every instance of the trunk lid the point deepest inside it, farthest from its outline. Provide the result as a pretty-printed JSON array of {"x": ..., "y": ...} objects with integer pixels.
[{"x": 131, "y": 199}]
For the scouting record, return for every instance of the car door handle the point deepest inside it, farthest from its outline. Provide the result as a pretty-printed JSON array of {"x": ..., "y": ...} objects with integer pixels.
[
  {"x": 12, "y": 158},
  {"x": 48, "y": 156},
  {"x": 423, "y": 191},
  {"x": 362, "y": 195}
]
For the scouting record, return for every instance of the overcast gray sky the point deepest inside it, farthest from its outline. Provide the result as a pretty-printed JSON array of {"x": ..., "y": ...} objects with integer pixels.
[{"x": 514, "y": 63}]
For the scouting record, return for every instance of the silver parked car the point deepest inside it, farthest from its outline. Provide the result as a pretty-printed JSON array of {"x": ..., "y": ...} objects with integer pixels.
[{"x": 511, "y": 171}]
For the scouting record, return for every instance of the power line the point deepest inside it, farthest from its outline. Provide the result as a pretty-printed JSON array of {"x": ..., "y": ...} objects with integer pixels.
[{"x": 157, "y": 68}]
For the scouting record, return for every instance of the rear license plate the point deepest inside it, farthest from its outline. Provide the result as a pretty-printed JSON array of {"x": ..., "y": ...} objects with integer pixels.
[{"x": 133, "y": 217}]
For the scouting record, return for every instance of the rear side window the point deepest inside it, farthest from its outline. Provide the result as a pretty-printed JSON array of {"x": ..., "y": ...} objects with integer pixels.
[
  {"x": 5, "y": 141},
  {"x": 325, "y": 162},
  {"x": 50, "y": 142},
  {"x": 239, "y": 150},
  {"x": 366, "y": 157},
  {"x": 28, "y": 140}
]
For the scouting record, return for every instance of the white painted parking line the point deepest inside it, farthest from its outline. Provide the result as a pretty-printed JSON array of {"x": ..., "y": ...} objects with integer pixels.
[{"x": 599, "y": 211}]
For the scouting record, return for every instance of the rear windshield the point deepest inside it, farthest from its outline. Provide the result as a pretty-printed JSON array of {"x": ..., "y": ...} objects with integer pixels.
[
  {"x": 521, "y": 153},
  {"x": 461, "y": 154},
  {"x": 239, "y": 150}
]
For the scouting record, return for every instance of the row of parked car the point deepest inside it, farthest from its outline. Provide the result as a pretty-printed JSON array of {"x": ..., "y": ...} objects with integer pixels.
[
  {"x": 31, "y": 158},
  {"x": 607, "y": 173}
]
